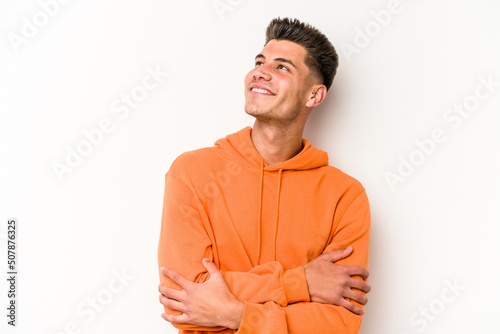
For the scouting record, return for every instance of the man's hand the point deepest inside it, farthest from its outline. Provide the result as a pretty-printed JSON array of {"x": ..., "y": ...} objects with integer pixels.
[
  {"x": 207, "y": 304},
  {"x": 332, "y": 284}
]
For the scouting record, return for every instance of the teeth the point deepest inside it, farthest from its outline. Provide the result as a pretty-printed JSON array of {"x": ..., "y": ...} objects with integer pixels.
[{"x": 258, "y": 90}]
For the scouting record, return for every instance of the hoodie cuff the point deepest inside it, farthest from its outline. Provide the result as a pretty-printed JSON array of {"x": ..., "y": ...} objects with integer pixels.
[
  {"x": 252, "y": 320},
  {"x": 267, "y": 318},
  {"x": 295, "y": 285}
]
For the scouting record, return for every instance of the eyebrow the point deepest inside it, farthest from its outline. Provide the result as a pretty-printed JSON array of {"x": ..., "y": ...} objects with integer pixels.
[{"x": 284, "y": 60}]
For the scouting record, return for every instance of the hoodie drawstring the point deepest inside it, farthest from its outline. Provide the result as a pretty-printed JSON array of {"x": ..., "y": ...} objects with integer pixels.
[
  {"x": 277, "y": 214},
  {"x": 259, "y": 223}
]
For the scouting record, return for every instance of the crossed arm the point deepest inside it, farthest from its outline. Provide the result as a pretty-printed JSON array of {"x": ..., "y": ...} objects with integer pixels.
[{"x": 212, "y": 304}]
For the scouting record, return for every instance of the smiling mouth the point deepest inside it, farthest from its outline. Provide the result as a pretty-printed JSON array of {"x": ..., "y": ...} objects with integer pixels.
[{"x": 261, "y": 91}]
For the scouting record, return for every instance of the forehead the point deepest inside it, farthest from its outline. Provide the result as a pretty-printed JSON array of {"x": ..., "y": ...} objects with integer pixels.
[{"x": 285, "y": 49}]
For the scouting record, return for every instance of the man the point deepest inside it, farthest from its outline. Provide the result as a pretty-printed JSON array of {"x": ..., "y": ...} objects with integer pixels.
[{"x": 259, "y": 234}]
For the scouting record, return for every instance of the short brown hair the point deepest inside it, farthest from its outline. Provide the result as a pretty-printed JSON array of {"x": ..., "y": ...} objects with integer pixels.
[{"x": 322, "y": 59}]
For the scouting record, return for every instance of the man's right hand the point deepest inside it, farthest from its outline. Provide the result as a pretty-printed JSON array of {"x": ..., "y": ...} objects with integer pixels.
[{"x": 330, "y": 283}]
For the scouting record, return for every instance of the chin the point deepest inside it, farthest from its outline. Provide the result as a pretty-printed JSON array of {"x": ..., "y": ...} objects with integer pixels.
[
  {"x": 250, "y": 109},
  {"x": 255, "y": 111},
  {"x": 251, "y": 112}
]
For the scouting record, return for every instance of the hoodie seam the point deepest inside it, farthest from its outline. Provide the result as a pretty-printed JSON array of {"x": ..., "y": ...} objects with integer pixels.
[
  {"x": 350, "y": 202},
  {"x": 341, "y": 216}
]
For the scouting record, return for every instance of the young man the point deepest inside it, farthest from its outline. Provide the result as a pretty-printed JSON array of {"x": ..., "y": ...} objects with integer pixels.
[{"x": 259, "y": 234}]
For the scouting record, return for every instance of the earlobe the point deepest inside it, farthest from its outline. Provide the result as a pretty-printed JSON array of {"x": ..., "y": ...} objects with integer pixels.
[{"x": 310, "y": 103}]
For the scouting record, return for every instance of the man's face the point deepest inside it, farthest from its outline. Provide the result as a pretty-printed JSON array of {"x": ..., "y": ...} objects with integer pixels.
[{"x": 279, "y": 85}]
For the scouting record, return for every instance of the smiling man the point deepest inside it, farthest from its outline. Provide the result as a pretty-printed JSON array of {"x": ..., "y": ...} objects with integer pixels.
[{"x": 259, "y": 233}]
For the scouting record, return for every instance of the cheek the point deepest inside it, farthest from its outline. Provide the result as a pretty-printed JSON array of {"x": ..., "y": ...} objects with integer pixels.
[{"x": 287, "y": 87}]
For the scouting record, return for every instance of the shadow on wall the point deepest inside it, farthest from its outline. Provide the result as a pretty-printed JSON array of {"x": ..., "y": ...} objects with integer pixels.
[{"x": 325, "y": 118}]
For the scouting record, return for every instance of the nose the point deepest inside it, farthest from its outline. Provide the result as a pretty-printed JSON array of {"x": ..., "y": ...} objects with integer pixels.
[{"x": 262, "y": 72}]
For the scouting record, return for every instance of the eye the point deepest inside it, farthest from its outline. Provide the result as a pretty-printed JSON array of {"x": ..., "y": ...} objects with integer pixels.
[
  {"x": 258, "y": 63},
  {"x": 282, "y": 67}
]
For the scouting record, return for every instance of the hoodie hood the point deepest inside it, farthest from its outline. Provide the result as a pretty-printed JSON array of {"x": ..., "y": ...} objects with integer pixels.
[{"x": 238, "y": 147}]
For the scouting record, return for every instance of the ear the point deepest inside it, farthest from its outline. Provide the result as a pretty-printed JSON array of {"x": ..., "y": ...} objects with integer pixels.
[{"x": 317, "y": 95}]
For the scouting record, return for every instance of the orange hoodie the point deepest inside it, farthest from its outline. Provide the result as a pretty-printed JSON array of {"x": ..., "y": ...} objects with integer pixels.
[{"x": 260, "y": 225}]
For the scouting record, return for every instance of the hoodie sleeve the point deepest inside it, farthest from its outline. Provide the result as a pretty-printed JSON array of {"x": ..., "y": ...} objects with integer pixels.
[
  {"x": 352, "y": 228},
  {"x": 185, "y": 240}
]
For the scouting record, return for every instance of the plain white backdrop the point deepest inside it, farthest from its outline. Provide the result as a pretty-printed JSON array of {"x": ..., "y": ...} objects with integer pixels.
[{"x": 99, "y": 97}]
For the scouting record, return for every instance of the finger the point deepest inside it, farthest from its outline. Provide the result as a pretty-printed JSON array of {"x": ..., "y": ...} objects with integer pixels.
[
  {"x": 360, "y": 285},
  {"x": 351, "y": 307},
  {"x": 175, "y": 319},
  {"x": 210, "y": 267},
  {"x": 358, "y": 271},
  {"x": 337, "y": 254},
  {"x": 176, "y": 277},
  {"x": 356, "y": 296},
  {"x": 171, "y": 293},
  {"x": 172, "y": 304}
]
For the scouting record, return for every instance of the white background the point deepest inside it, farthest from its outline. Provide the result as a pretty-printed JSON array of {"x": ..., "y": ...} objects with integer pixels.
[{"x": 438, "y": 227}]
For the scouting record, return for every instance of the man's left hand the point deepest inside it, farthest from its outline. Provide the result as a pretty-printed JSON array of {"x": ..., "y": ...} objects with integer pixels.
[{"x": 207, "y": 304}]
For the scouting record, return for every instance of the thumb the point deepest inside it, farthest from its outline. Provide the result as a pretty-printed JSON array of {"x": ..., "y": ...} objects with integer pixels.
[
  {"x": 210, "y": 267},
  {"x": 337, "y": 254}
]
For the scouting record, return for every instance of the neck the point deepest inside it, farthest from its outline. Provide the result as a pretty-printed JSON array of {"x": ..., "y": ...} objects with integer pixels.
[{"x": 275, "y": 143}]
